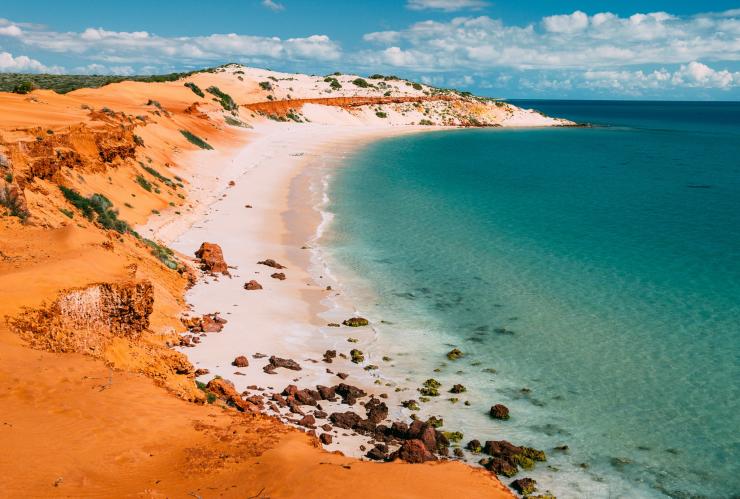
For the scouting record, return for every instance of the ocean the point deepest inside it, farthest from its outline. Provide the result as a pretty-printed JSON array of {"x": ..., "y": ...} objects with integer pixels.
[{"x": 590, "y": 275}]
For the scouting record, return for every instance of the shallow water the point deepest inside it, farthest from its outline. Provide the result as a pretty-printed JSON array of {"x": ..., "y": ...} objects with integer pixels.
[{"x": 596, "y": 268}]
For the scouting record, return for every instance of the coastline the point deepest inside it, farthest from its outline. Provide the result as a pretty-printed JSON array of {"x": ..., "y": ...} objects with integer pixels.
[{"x": 287, "y": 318}]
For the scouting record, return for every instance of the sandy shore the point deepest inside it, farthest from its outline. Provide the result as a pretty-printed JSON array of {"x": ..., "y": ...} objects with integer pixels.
[{"x": 276, "y": 173}]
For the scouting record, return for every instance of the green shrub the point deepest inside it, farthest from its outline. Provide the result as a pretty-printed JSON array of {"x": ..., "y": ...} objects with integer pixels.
[
  {"x": 426, "y": 122},
  {"x": 381, "y": 114},
  {"x": 416, "y": 86},
  {"x": 224, "y": 99},
  {"x": 361, "y": 83},
  {"x": 68, "y": 213},
  {"x": 266, "y": 85},
  {"x": 24, "y": 87},
  {"x": 230, "y": 120},
  {"x": 138, "y": 141},
  {"x": 163, "y": 254},
  {"x": 97, "y": 208},
  {"x": 376, "y": 76},
  {"x": 195, "y": 88},
  {"x": 154, "y": 173},
  {"x": 195, "y": 140},
  {"x": 144, "y": 183}
]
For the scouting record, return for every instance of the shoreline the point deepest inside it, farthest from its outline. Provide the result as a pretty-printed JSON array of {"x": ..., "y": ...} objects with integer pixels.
[{"x": 287, "y": 318}]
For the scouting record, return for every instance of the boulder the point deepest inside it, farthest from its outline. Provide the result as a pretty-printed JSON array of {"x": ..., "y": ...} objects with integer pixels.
[
  {"x": 349, "y": 393},
  {"x": 308, "y": 421},
  {"x": 377, "y": 453},
  {"x": 307, "y": 397},
  {"x": 458, "y": 389},
  {"x": 357, "y": 356},
  {"x": 343, "y": 375},
  {"x": 286, "y": 363},
  {"x": 347, "y": 420},
  {"x": 499, "y": 411},
  {"x": 329, "y": 355},
  {"x": 212, "y": 259},
  {"x": 327, "y": 392},
  {"x": 524, "y": 486},
  {"x": 271, "y": 263},
  {"x": 240, "y": 361},
  {"x": 413, "y": 451},
  {"x": 201, "y": 372},
  {"x": 252, "y": 285},
  {"x": 325, "y": 438},
  {"x": 225, "y": 390},
  {"x": 474, "y": 446},
  {"x": 355, "y": 322},
  {"x": 280, "y": 276},
  {"x": 454, "y": 354},
  {"x": 377, "y": 411}
]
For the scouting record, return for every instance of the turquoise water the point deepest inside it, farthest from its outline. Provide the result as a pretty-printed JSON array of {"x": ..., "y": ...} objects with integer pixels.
[{"x": 610, "y": 256}]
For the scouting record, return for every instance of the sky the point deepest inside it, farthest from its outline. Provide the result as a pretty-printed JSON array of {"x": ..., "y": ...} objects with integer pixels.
[{"x": 548, "y": 49}]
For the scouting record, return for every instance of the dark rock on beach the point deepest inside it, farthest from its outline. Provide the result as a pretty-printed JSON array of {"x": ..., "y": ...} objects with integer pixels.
[
  {"x": 286, "y": 363},
  {"x": 271, "y": 263},
  {"x": 347, "y": 420},
  {"x": 240, "y": 361},
  {"x": 280, "y": 276},
  {"x": 413, "y": 451},
  {"x": 524, "y": 486},
  {"x": 252, "y": 285}
]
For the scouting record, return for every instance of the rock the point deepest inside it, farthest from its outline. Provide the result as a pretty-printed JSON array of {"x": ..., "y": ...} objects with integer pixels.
[
  {"x": 333, "y": 324},
  {"x": 240, "y": 361},
  {"x": 201, "y": 372},
  {"x": 232, "y": 183},
  {"x": 513, "y": 455},
  {"x": 454, "y": 354},
  {"x": 366, "y": 426},
  {"x": 501, "y": 466},
  {"x": 349, "y": 393},
  {"x": 307, "y": 421},
  {"x": 279, "y": 399},
  {"x": 499, "y": 411},
  {"x": 399, "y": 429},
  {"x": 225, "y": 390},
  {"x": 252, "y": 285},
  {"x": 325, "y": 438},
  {"x": 430, "y": 388},
  {"x": 458, "y": 452},
  {"x": 435, "y": 422},
  {"x": 413, "y": 451},
  {"x": 524, "y": 486},
  {"x": 474, "y": 446},
  {"x": 259, "y": 356},
  {"x": 271, "y": 263},
  {"x": 280, "y": 276},
  {"x": 327, "y": 392},
  {"x": 377, "y": 411},
  {"x": 307, "y": 397},
  {"x": 329, "y": 355},
  {"x": 269, "y": 369},
  {"x": 411, "y": 405},
  {"x": 347, "y": 420},
  {"x": 357, "y": 356},
  {"x": 458, "y": 389},
  {"x": 356, "y": 322},
  {"x": 326, "y": 427},
  {"x": 343, "y": 375},
  {"x": 286, "y": 363},
  {"x": 212, "y": 259},
  {"x": 376, "y": 454},
  {"x": 320, "y": 414}
]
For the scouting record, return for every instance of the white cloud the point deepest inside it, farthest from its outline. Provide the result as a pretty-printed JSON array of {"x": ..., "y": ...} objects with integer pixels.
[
  {"x": 567, "y": 23},
  {"x": 11, "y": 30},
  {"x": 125, "y": 48},
  {"x": 270, "y": 4},
  {"x": 446, "y": 5},
  {"x": 571, "y": 41},
  {"x": 24, "y": 64}
]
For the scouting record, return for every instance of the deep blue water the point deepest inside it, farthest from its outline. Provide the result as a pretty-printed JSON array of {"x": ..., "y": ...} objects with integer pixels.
[{"x": 609, "y": 255}]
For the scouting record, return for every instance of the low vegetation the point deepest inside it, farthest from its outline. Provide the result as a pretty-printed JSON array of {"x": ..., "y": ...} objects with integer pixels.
[
  {"x": 224, "y": 99},
  {"x": 24, "y": 83},
  {"x": 97, "y": 208},
  {"x": 360, "y": 82},
  {"x": 266, "y": 85},
  {"x": 195, "y": 140},
  {"x": 195, "y": 88}
]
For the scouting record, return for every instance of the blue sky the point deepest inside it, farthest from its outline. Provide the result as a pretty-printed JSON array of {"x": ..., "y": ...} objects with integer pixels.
[{"x": 535, "y": 49}]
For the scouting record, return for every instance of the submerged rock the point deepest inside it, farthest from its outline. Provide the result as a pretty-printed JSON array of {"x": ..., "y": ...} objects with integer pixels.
[
  {"x": 454, "y": 354},
  {"x": 499, "y": 411},
  {"x": 357, "y": 356},
  {"x": 458, "y": 389},
  {"x": 356, "y": 322},
  {"x": 524, "y": 486}
]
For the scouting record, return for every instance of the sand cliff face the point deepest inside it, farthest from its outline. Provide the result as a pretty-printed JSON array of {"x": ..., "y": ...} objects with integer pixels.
[{"x": 77, "y": 172}]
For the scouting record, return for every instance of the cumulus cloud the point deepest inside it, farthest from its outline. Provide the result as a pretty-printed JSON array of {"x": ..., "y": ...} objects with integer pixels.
[
  {"x": 446, "y": 5},
  {"x": 275, "y": 6},
  {"x": 130, "y": 47},
  {"x": 23, "y": 64},
  {"x": 571, "y": 41}
]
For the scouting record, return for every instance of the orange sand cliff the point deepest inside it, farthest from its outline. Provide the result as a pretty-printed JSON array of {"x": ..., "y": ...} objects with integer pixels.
[{"x": 99, "y": 407}]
